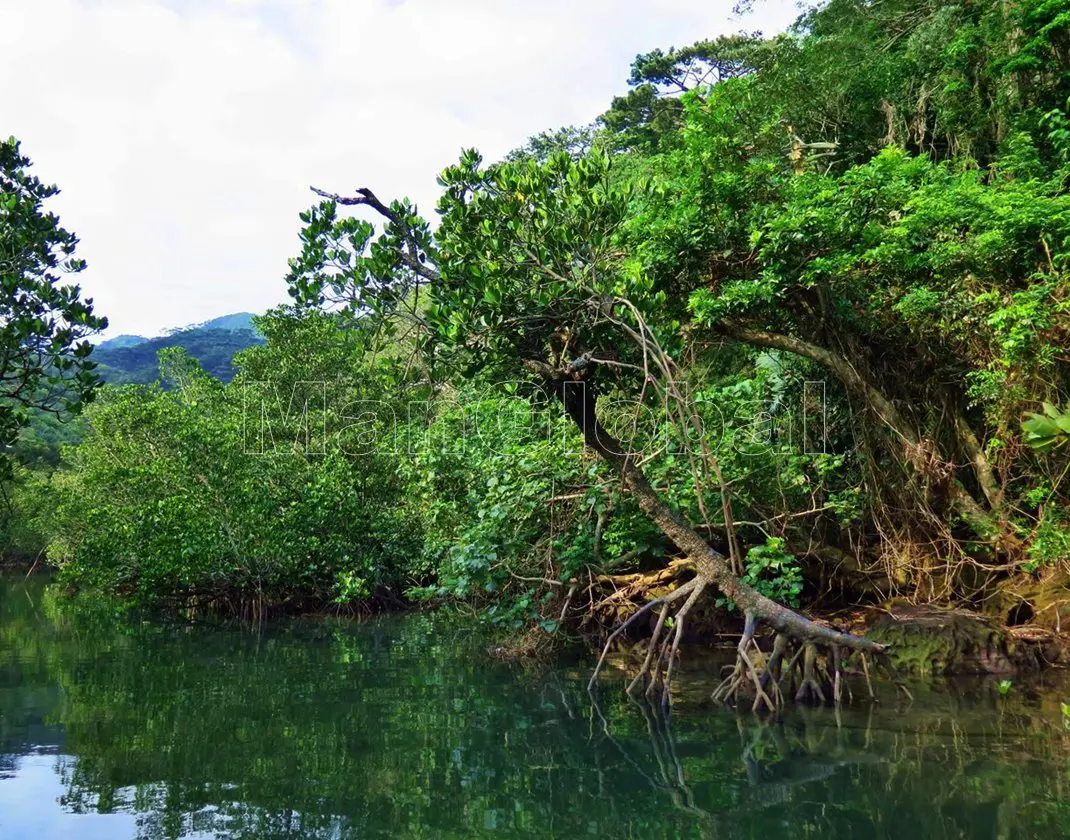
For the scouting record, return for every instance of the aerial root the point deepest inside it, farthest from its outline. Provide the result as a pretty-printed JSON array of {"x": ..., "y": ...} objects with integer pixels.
[
  {"x": 660, "y": 676},
  {"x": 656, "y": 670},
  {"x": 693, "y": 588},
  {"x": 651, "y": 648},
  {"x": 746, "y": 674},
  {"x": 798, "y": 668}
]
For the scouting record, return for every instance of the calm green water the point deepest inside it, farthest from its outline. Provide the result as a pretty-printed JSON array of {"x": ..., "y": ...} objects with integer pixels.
[{"x": 401, "y": 728}]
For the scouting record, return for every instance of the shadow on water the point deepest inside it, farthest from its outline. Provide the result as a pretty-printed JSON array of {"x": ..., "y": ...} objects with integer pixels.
[{"x": 113, "y": 728}]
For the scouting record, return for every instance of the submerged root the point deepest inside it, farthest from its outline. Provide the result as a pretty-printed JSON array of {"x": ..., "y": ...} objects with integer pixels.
[
  {"x": 801, "y": 671},
  {"x": 746, "y": 673},
  {"x": 803, "y": 680}
]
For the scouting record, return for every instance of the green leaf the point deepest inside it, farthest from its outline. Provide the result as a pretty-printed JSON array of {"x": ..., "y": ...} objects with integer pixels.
[{"x": 1039, "y": 426}]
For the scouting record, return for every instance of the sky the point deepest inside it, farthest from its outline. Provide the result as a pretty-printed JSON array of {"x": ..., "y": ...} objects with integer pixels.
[{"x": 184, "y": 134}]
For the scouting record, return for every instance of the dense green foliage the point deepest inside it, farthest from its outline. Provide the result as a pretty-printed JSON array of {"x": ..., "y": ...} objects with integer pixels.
[
  {"x": 133, "y": 360},
  {"x": 173, "y": 491},
  {"x": 817, "y": 282}
]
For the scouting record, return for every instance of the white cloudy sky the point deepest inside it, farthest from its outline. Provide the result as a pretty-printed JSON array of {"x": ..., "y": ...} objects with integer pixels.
[{"x": 185, "y": 133}]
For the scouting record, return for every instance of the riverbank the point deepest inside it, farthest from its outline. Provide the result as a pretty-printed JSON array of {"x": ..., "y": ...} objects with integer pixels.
[{"x": 922, "y": 640}]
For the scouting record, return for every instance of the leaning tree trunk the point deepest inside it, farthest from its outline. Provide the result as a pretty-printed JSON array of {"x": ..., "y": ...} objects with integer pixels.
[{"x": 794, "y": 669}]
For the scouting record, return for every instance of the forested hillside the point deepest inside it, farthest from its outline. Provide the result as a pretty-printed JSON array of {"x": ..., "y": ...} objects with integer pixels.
[
  {"x": 133, "y": 359},
  {"x": 786, "y": 327},
  {"x": 129, "y": 359}
]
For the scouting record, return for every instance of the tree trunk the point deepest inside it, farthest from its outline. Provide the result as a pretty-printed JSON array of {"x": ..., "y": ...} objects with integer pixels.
[
  {"x": 711, "y": 566},
  {"x": 982, "y": 467}
]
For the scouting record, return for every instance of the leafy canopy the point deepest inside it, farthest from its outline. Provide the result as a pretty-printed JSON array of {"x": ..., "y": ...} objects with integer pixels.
[{"x": 44, "y": 357}]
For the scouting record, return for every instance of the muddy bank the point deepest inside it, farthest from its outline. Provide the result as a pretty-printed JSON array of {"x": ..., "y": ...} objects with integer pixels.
[{"x": 931, "y": 640}]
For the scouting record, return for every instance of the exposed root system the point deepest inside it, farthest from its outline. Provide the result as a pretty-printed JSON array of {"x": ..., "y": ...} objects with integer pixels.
[{"x": 798, "y": 669}]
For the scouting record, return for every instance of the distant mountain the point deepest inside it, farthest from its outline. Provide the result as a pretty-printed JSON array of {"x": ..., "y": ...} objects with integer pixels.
[
  {"x": 236, "y": 321},
  {"x": 121, "y": 341},
  {"x": 132, "y": 359}
]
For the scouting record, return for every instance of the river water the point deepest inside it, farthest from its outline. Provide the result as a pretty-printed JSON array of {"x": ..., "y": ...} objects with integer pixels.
[{"x": 116, "y": 728}]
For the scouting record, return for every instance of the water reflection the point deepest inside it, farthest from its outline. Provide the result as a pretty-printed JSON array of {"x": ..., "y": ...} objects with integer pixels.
[{"x": 115, "y": 728}]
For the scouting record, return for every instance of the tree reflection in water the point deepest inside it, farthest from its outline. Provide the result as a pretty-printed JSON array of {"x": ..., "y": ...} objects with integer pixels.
[{"x": 402, "y": 727}]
